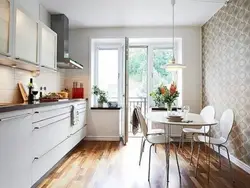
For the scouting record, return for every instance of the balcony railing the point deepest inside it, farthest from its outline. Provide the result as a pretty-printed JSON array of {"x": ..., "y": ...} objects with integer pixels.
[{"x": 134, "y": 102}]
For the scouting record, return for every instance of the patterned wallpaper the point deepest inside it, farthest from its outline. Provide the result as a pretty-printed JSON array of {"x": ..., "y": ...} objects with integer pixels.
[{"x": 226, "y": 71}]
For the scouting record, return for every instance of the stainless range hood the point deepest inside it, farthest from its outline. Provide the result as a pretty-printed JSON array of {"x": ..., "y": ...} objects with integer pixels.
[{"x": 60, "y": 24}]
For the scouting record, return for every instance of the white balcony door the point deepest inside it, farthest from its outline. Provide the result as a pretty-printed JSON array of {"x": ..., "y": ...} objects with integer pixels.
[{"x": 125, "y": 90}]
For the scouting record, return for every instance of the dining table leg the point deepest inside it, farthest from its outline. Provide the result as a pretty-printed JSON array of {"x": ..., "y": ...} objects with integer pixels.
[
  {"x": 208, "y": 172},
  {"x": 166, "y": 149},
  {"x": 169, "y": 133}
]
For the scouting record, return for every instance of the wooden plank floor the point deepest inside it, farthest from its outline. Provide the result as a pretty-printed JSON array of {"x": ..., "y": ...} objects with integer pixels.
[{"x": 112, "y": 165}]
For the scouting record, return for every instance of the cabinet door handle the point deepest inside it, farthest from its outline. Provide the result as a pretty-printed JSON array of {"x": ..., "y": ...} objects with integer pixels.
[
  {"x": 15, "y": 117},
  {"x": 36, "y": 127},
  {"x": 27, "y": 61},
  {"x": 5, "y": 54},
  {"x": 36, "y": 112}
]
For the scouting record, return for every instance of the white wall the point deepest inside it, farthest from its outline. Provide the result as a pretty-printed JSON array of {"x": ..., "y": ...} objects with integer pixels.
[{"x": 191, "y": 49}]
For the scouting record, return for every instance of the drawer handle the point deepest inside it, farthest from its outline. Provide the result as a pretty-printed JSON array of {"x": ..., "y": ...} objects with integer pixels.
[
  {"x": 37, "y": 128},
  {"x": 15, "y": 117},
  {"x": 36, "y": 112},
  {"x": 36, "y": 158}
]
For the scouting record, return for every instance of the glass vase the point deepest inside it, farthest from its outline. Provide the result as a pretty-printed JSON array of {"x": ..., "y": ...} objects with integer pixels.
[{"x": 168, "y": 106}]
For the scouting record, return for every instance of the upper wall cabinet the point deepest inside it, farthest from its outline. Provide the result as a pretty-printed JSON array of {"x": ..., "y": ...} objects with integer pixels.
[
  {"x": 48, "y": 47},
  {"x": 26, "y": 38},
  {"x": 4, "y": 27}
]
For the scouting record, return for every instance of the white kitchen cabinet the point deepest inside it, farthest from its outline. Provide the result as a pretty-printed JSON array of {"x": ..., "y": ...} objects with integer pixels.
[
  {"x": 5, "y": 6},
  {"x": 48, "y": 47},
  {"x": 15, "y": 149},
  {"x": 26, "y": 37},
  {"x": 43, "y": 164},
  {"x": 55, "y": 130},
  {"x": 33, "y": 141},
  {"x": 81, "y": 110}
]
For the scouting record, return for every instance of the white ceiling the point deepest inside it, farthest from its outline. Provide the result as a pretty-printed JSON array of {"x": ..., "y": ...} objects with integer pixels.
[{"x": 121, "y": 13}]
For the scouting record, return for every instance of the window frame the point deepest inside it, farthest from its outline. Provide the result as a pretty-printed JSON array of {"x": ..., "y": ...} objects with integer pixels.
[
  {"x": 177, "y": 74},
  {"x": 107, "y": 46}
]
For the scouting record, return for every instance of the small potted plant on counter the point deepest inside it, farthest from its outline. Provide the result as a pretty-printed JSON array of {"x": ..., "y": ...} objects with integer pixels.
[{"x": 101, "y": 96}]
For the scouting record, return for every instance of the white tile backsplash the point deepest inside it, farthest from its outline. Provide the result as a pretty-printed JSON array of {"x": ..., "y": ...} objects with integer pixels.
[{"x": 9, "y": 93}]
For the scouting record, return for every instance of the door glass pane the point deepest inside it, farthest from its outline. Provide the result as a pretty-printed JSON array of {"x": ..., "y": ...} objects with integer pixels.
[
  {"x": 108, "y": 61},
  {"x": 161, "y": 57},
  {"x": 138, "y": 63}
]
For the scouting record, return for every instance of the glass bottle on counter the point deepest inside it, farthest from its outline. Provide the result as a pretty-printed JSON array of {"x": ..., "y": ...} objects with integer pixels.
[{"x": 30, "y": 97}]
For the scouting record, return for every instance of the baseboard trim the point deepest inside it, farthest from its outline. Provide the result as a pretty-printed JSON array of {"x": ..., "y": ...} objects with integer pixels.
[
  {"x": 236, "y": 161},
  {"x": 103, "y": 138}
]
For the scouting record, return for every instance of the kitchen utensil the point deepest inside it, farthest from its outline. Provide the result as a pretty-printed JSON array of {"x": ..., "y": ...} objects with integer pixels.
[{"x": 23, "y": 92}]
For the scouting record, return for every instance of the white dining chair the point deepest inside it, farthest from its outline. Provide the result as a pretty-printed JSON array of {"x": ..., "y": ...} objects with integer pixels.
[
  {"x": 154, "y": 139},
  {"x": 207, "y": 114},
  {"x": 143, "y": 140},
  {"x": 226, "y": 124}
]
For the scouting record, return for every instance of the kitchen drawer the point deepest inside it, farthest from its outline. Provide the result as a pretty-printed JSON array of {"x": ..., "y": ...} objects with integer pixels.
[
  {"x": 81, "y": 122},
  {"x": 46, "y": 113},
  {"x": 81, "y": 106},
  {"x": 46, "y": 162},
  {"x": 78, "y": 136},
  {"x": 48, "y": 133}
]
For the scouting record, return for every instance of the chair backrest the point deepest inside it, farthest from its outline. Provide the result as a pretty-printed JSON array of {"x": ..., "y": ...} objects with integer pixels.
[
  {"x": 207, "y": 114},
  {"x": 142, "y": 121},
  {"x": 226, "y": 123}
]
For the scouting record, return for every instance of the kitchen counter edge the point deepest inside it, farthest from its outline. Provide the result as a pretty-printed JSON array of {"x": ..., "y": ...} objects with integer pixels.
[{"x": 25, "y": 106}]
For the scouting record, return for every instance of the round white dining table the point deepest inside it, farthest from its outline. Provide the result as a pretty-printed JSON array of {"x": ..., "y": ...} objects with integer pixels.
[{"x": 191, "y": 119}]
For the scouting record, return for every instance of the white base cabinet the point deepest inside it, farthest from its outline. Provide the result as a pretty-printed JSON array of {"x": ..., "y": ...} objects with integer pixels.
[
  {"x": 15, "y": 153},
  {"x": 33, "y": 141}
]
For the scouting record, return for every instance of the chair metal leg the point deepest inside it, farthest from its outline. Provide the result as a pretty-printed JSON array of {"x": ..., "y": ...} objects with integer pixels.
[
  {"x": 183, "y": 136},
  {"x": 177, "y": 161},
  {"x": 142, "y": 141},
  {"x": 143, "y": 145},
  {"x": 219, "y": 156},
  {"x": 197, "y": 162},
  {"x": 168, "y": 156},
  {"x": 192, "y": 152},
  {"x": 149, "y": 162},
  {"x": 155, "y": 148},
  {"x": 192, "y": 142},
  {"x": 180, "y": 141},
  {"x": 230, "y": 164}
]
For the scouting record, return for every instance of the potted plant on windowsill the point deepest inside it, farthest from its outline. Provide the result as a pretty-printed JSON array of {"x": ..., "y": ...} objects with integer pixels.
[{"x": 101, "y": 96}]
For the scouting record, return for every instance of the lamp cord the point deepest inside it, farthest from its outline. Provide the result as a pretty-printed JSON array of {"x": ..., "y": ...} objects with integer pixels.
[{"x": 173, "y": 3}]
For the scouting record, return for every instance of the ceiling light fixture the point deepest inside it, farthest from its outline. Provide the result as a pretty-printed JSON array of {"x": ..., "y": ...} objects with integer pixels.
[{"x": 172, "y": 65}]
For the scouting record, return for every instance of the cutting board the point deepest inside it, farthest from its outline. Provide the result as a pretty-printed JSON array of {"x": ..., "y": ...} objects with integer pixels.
[{"x": 23, "y": 92}]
